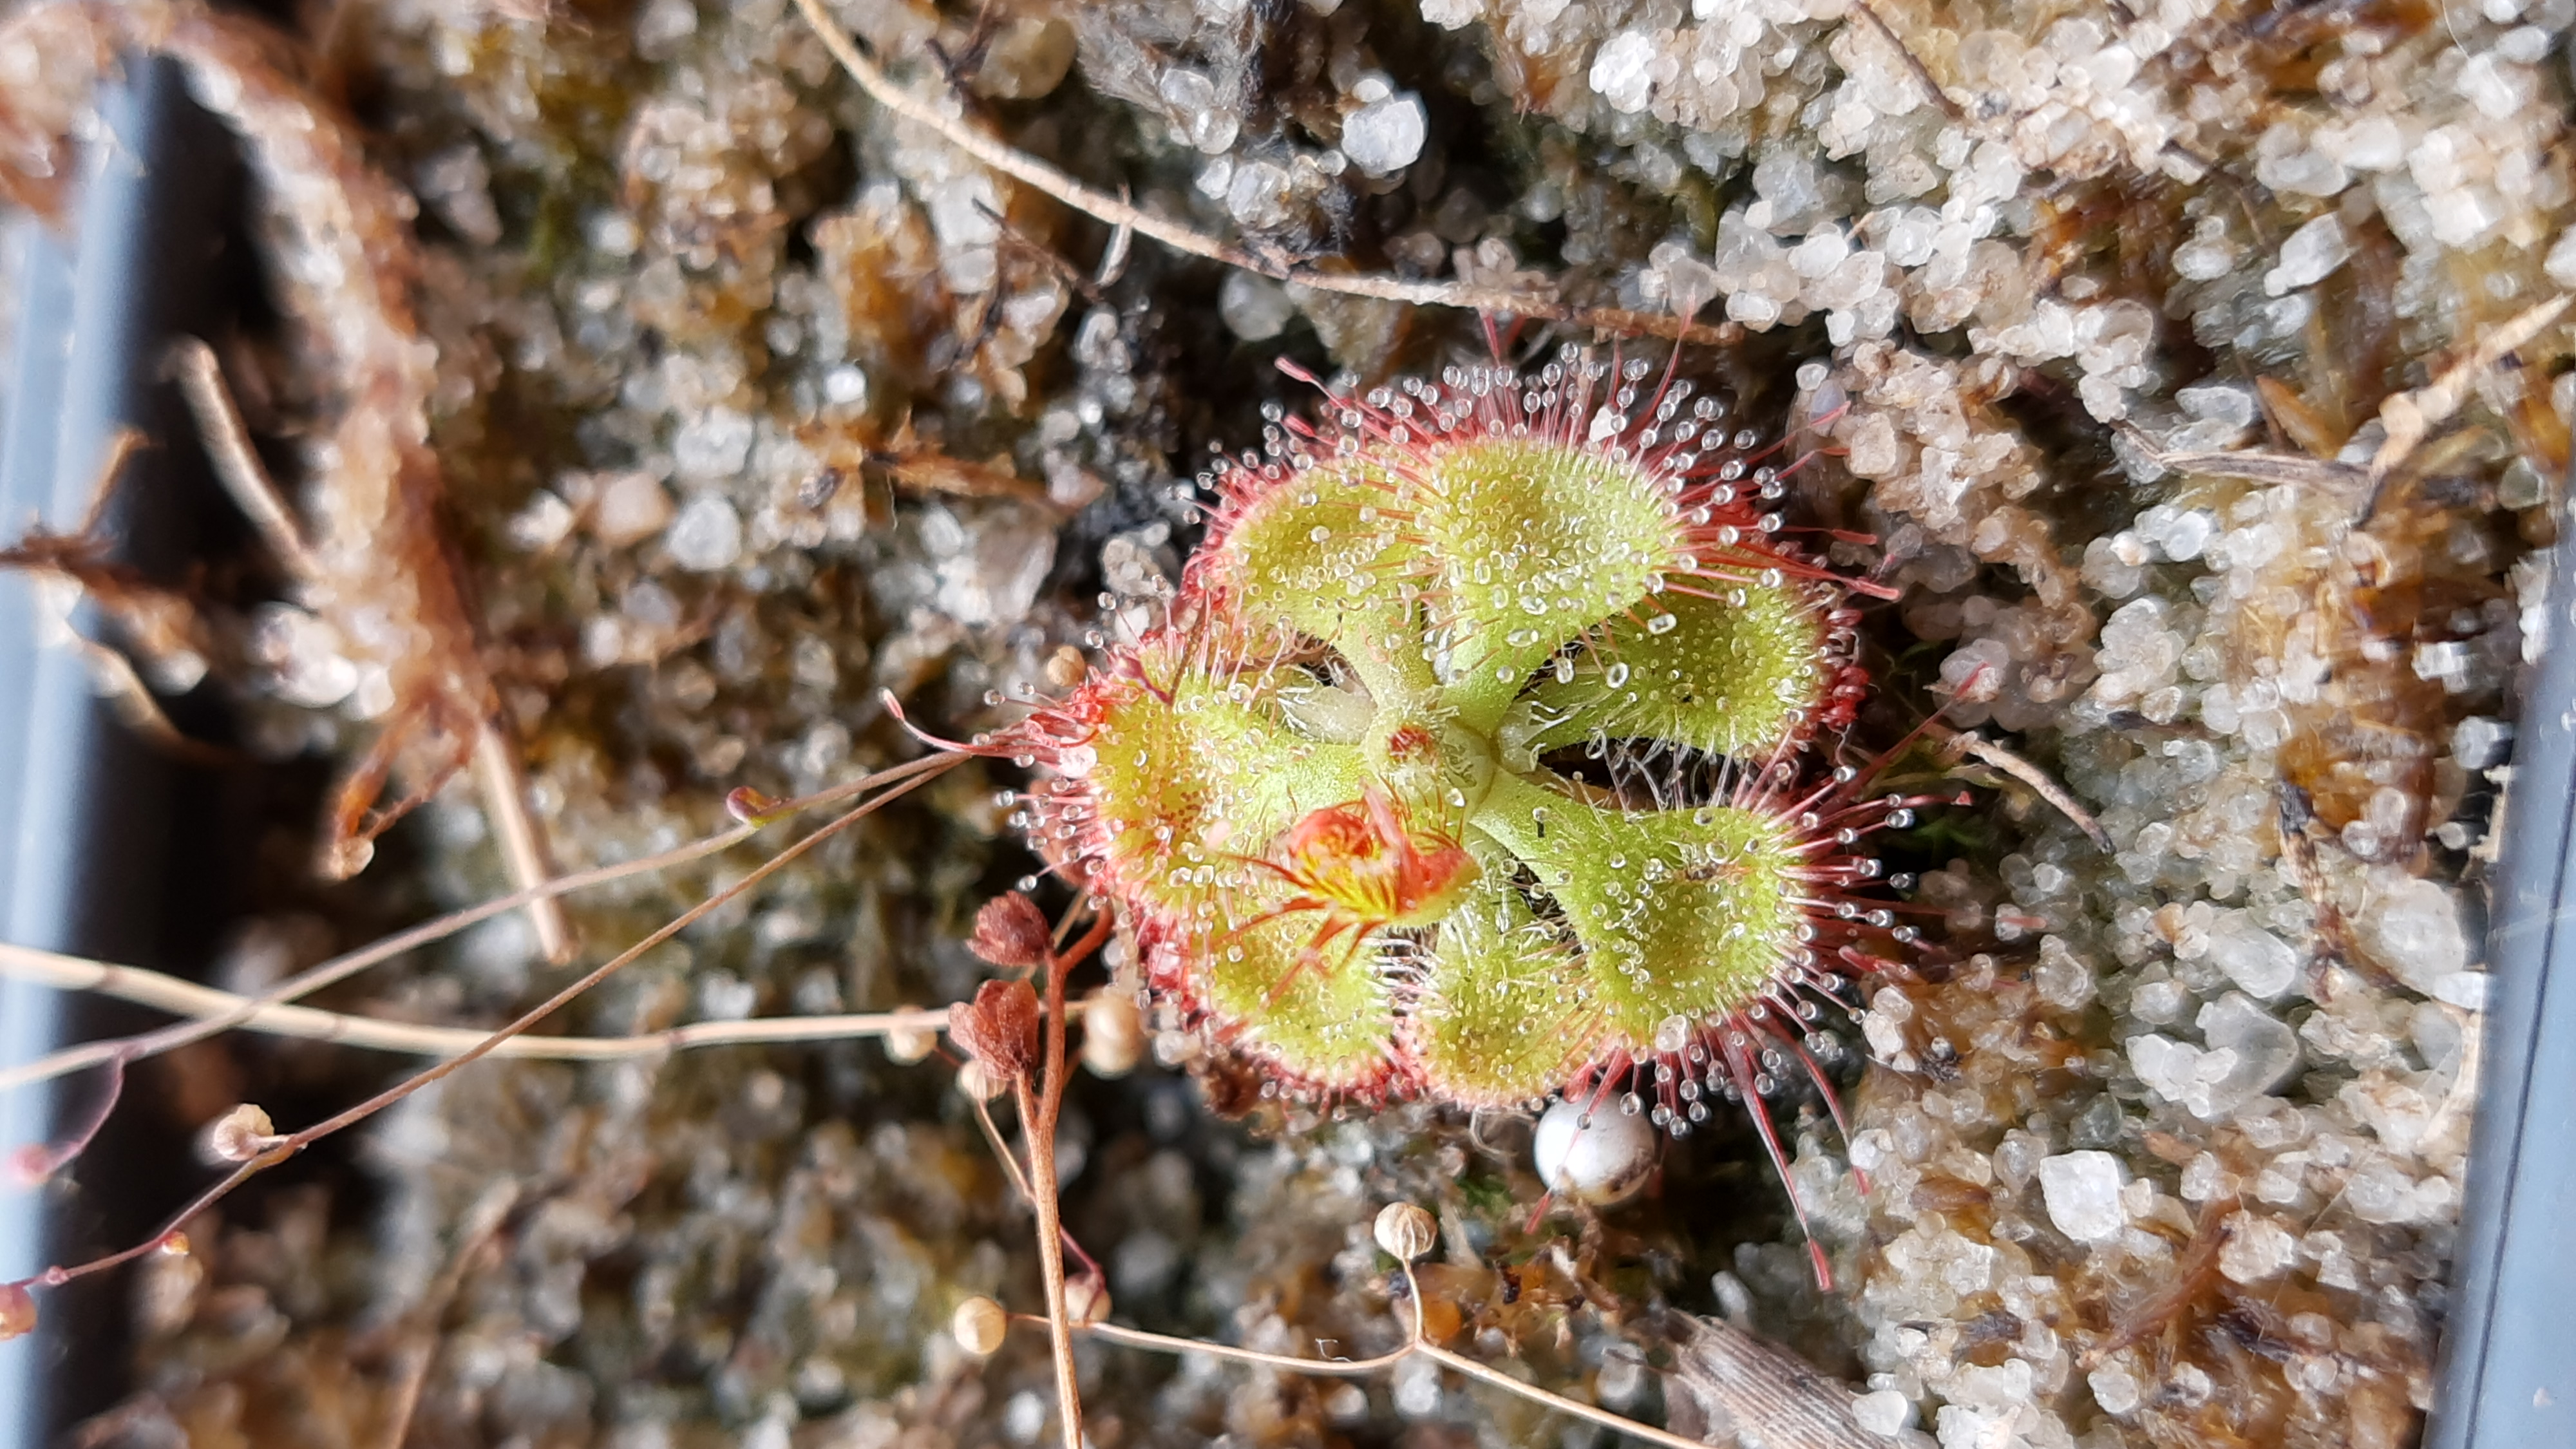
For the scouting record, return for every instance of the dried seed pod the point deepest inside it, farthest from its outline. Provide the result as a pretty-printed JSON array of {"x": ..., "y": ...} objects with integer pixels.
[
  {"x": 1405, "y": 1231},
  {"x": 238, "y": 1136},
  {"x": 1086, "y": 1299},
  {"x": 979, "y": 1325},
  {"x": 909, "y": 1044},
  {"x": 1011, "y": 932},
  {"x": 1113, "y": 1032},
  {"x": 998, "y": 1030},
  {"x": 979, "y": 1084}
]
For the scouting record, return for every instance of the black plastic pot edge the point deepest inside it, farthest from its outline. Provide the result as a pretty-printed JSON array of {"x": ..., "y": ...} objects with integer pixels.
[{"x": 108, "y": 847}]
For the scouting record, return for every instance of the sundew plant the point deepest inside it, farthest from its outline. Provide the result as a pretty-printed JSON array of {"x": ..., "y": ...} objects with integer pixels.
[
  {"x": 1479, "y": 756},
  {"x": 636, "y": 400}
]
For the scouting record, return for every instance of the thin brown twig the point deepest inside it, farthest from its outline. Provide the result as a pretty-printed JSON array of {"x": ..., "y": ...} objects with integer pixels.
[
  {"x": 498, "y": 777},
  {"x": 621, "y": 960},
  {"x": 1460, "y": 1364},
  {"x": 338, "y": 968},
  {"x": 159, "y": 623},
  {"x": 1012, "y": 238},
  {"x": 1914, "y": 63},
  {"x": 1116, "y": 212},
  {"x": 115, "y": 680},
  {"x": 207, "y": 1003},
  {"x": 2408, "y": 417},
  {"x": 1415, "y": 1344},
  {"x": 503, "y": 784},
  {"x": 1011, "y": 1160},
  {"x": 295, "y": 1142},
  {"x": 1351, "y": 1368},
  {"x": 237, "y": 467},
  {"x": 420, "y": 1346},
  {"x": 2039, "y": 780},
  {"x": 1001, "y": 1147},
  {"x": 1042, "y": 1190},
  {"x": 2185, "y": 1281}
]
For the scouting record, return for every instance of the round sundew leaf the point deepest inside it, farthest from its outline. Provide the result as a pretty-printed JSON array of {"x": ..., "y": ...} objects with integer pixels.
[
  {"x": 1536, "y": 542},
  {"x": 1320, "y": 1010},
  {"x": 1502, "y": 1015},
  {"x": 1740, "y": 675},
  {"x": 1185, "y": 785},
  {"x": 1679, "y": 913},
  {"x": 1317, "y": 555}
]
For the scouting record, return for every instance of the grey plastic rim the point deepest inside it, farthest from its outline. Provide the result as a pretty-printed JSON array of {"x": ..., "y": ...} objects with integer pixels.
[
  {"x": 101, "y": 851},
  {"x": 2508, "y": 1377}
]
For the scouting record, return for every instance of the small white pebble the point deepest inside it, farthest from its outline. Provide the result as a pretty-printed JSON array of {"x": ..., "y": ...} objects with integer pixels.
[
  {"x": 2561, "y": 265},
  {"x": 2115, "y": 1388},
  {"x": 1623, "y": 71},
  {"x": 1883, "y": 1413},
  {"x": 2082, "y": 1192},
  {"x": 706, "y": 536},
  {"x": 2311, "y": 254},
  {"x": 546, "y": 521},
  {"x": 723, "y": 996},
  {"x": 1255, "y": 309},
  {"x": 1621, "y": 1379},
  {"x": 2413, "y": 929},
  {"x": 662, "y": 24},
  {"x": 714, "y": 445},
  {"x": 2255, "y": 959},
  {"x": 2479, "y": 742},
  {"x": 1417, "y": 1388},
  {"x": 615, "y": 234},
  {"x": 2257, "y": 1249},
  {"x": 1025, "y": 1416},
  {"x": 629, "y": 508},
  {"x": 1385, "y": 135}
]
